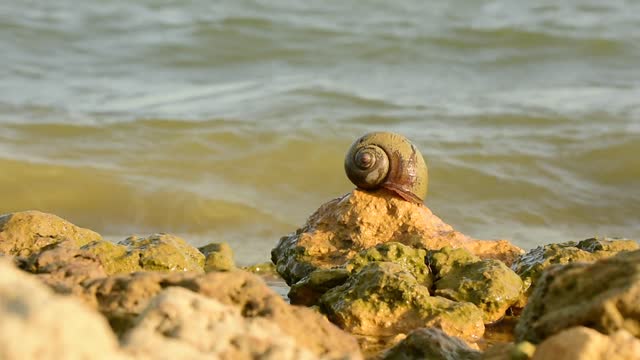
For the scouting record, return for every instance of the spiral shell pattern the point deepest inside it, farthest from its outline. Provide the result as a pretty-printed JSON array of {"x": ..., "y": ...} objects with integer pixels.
[{"x": 387, "y": 160}]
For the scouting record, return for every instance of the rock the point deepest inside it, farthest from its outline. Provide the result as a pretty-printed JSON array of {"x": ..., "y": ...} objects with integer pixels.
[
  {"x": 37, "y": 324},
  {"x": 267, "y": 269},
  {"x": 383, "y": 299},
  {"x": 412, "y": 260},
  {"x": 604, "y": 295},
  {"x": 218, "y": 257},
  {"x": 157, "y": 252},
  {"x": 64, "y": 267},
  {"x": 342, "y": 227},
  {"x": 530, "y": 265},
  {"x": 581, "y": 343},
  {"x": 308, "y": 290},
  {"x": 431, "y": 343},
  {"x": 122, "y": 298},
  {"x": 164, "y": 252},
  {"x": 24, "y": 233},
  {"x": 489, "y": 284},
  {"x": 180, "y": 324},
  {"x": 509, "y": 351}
]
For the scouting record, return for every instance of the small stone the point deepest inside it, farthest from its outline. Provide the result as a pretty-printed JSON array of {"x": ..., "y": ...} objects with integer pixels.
[
  {"x": 218, "y": 257},
  {"x": 431, "y": 343}
]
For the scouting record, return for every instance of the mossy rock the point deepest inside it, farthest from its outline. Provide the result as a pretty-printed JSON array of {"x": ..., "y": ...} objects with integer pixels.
[
  {"x": 603, "y": 295},
  {"x": 411, "y": 259},
  {"x": 27, "y": 232},
  {"x": 384, "y": 299},
  {"x": 158, "y": 252},
  {"x": 531, "y": 264},
  {"x": 308, "y": 290},
  {"x": 489, "y": 284},
  {"x": 218, "y": 257}
]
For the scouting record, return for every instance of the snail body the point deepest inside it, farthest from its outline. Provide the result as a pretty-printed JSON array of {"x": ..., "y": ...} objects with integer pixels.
[{"x": 390, "y": 161}]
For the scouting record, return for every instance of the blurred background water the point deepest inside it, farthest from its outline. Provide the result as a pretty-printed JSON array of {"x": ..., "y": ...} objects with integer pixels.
[{"x": 229, "y": 120}]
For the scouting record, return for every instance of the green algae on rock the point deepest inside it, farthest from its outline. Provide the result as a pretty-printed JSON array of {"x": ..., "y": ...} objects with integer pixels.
[
  {"x": 411, "y": 259},
  {"x": 342, "y": 227},
  {"x": 530, "y": 265},
  {"x": 311, "y": 287},
  {"x": 218, "y": 257},
  {"x": 308, "y": 290},
  {"x": 489, "y": 284},
  {"x": 157, "y": 252},
  {"x": 432, "y": 344},
  {"x": 603, "y": 295},
  {"x": 384, "y": 299},
  {"x": 26, "y": 232}
]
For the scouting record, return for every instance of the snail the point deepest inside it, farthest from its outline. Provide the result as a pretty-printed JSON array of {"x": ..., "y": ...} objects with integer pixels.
[{"x": 390, "y": 161}]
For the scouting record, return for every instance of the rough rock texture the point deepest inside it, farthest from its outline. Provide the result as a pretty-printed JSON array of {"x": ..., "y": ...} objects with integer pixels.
[
  {"x": 581, "y": 343},
  {"x": 37, "y": 324},
  {"x": 530, "y": 265},
  {"x": 157, "y": 252},
  {"x": 431, "y": 343},
  {"x": 25, "y": 233},
  {"x": 180, "y": 324},
  {"x": 342, "y": 227},
  {"x": 604, "y": 295},
  {"x": 384, "y": 299},
  {"x": 218, "y": 257},
  {"x": 308, "y": 290},
  {"x": 489, "y": 284},
  {"x": 122, "y": 298},
  {"x": 412, "y": 260},
  {"x": 267, "y": 269},
  {"x": 64, "y": 267}
]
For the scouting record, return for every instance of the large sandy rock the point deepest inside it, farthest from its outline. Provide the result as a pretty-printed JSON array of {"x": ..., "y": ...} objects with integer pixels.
[
  {"x": 581, "y": 343},
  {"x": 342, "y": 227},
  {"x": 122, "y": 298},
  {"x": 383, "y": 299},
  {"x": 530, "y": 265},
  {"x": 64, "y": 267},
  {"x": 488, "y": 283},
  {"x": 24, "y": 233},
  {"x": 604, "y": 295},
  {"x": 37, "y": 324},
  {"x": 432, "y": 344},
  {"x": 180, "y": 324},
  {"x": 157, "y": 252}
]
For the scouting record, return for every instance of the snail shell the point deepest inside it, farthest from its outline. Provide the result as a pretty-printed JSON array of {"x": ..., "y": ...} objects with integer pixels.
[{"x": 387, "y": 160}]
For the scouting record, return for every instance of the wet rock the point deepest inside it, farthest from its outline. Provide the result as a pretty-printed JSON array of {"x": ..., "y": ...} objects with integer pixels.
[
  {"x": 157, "y": 252},
  {"x": 604, "y": 295},
  {"x": 342, "y": 227},
  {"x": 308, "y": 290},
  {"x": 383, "y": 299},
  {"x": 218, "y": 257},
  {"x": 509, "y": 351},
  {"x": 267, "y": 269},
  {"x": 24, "y": 233},
  {"x": 581, "y": 343},
  {"x": 431, "y": 343},
  {"x": 489, "y": 284},
  {"x": 37, "y": 324},
  {"x": 122, "y": 298},
  {"x": 180, "y": 324},
  {"x": 530, "y": 265}
]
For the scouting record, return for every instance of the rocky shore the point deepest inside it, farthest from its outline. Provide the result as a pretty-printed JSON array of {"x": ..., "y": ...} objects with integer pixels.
[{"x": 371, "y": 276}]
